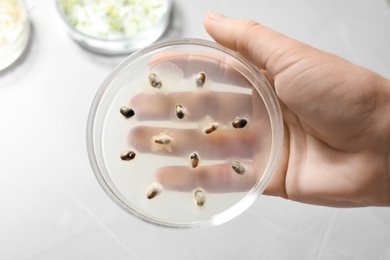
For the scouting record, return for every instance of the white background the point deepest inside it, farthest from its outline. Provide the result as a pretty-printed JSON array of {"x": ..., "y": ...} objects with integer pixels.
[{"x": 51, "y": 205}]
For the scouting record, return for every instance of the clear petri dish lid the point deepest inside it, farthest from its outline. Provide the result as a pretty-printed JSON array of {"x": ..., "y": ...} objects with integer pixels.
[
  {"x": 185, "y": 133},
  {"x": 115, "y": 27}
]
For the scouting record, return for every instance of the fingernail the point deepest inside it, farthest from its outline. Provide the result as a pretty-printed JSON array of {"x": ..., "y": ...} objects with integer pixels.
[{"x": 216, "y": 16}]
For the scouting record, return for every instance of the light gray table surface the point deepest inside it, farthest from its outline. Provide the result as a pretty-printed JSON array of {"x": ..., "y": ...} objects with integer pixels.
[{"x": 51, "y": 205}]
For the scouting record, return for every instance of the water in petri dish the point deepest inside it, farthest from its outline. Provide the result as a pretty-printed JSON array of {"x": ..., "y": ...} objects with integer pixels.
[{"x": 180, "y": 151}]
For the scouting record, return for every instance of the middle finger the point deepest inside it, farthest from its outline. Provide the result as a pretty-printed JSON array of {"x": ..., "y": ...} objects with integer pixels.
[{"x": 221, "y": 144}]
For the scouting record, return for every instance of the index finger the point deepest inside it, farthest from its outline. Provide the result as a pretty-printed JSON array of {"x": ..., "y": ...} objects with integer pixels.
[{"x": 262, "y": 46}]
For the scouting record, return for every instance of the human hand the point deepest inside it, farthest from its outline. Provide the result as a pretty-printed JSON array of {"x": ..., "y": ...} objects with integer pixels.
[{"x": 337, "y": 129}]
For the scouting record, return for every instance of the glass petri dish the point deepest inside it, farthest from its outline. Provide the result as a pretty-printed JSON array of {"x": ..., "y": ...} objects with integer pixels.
[
  {"x": 115, "y": 27},
  {"x": 184, "y": 134},
  {"x": 14, "y": 32}
]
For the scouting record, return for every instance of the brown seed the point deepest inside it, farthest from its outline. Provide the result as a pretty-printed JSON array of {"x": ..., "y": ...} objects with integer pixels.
[
  {"x": 200, "y": 79},
  {"x": 127, "y": 112},
  {"x": 154, "y": 81},
  {"x": 239, "y": 123},
  {"x": 153, "y": 190},
  {"x": 194, "y": 158},
  {"x": 200, "y": 197},
  {"x": 180, "y": 111},
  {"x": 127, "y": 156},
  {"x": 238, "y": 167},
  {"x": 151, "y": 194},
  {"x": 163, "y": 139},
  {"x": 211, "y": 128}
]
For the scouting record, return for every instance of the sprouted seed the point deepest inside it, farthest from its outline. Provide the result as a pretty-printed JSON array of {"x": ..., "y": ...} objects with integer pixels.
[
  {"x": 200, "y": 79},
  {"x": 180, "y": 111},
  {"x": 200, "y": 197},
  {"x": 194, "y": 158},
  {"x": 154, "y": 189},
  {"x": 128, "y": 156},
  {"x": 127, "y": 112},
  {"x": 238, "y": 167},
  {"x": 211, "y": 128},
  {"x": 163, "y": 139},
  {"x": 154, "y": 81},
  {"x": 239, "y": 123}
]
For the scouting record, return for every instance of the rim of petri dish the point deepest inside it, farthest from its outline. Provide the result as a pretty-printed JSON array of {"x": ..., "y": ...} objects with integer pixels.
[
  {"x": 110, "y": 46},
  {"x": 106, "y": 93}
]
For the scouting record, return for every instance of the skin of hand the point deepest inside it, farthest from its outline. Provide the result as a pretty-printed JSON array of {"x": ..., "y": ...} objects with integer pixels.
[{"x": 337, "y": 127}]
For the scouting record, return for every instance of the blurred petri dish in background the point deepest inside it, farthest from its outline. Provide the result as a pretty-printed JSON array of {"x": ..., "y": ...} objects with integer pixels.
[
  {"x": 115, "y": 26},
  {"x": 14, "y": 31},
  {"x": 184, "y": 134}
]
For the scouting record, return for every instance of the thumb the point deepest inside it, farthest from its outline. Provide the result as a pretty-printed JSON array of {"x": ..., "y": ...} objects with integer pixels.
[{"x": 262, "y": 46}]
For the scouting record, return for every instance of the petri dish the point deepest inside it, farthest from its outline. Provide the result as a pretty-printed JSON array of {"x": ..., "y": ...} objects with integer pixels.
[
  {"x": 14, "y": 32},
  {"x": 184, "y": 133},
  {"x": 115, "y": 27}
]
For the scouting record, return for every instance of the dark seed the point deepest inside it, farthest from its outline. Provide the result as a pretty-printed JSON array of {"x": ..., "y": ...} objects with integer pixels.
[
  {"x": 151, "y": 194},
  {"x": 127, "y": 156},
  {"x": 200, "y": 197},
  {"x": 153, "y": 190},
  {"x": 211, "y": 128},
  {"x": 200, "y": 79},
  {"x": 154, "y": 81},
  {"x": 238, "y": 167},
  {"x": 127, "y": 112},
  {"x": 239, "y": 123},
  {"x": 179, "y": 111},
  {"x": 194, "y": 160}
]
